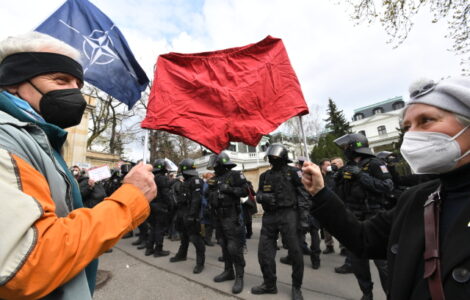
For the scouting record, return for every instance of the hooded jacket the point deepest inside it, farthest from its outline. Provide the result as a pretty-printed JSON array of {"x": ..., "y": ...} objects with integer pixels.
[{"x": 51, "y": 239}]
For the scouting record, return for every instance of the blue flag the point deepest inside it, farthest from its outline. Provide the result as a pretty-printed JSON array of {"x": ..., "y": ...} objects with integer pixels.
[{"x": 108, "y": 62}]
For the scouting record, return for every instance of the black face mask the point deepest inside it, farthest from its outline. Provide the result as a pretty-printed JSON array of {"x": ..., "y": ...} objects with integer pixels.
[
  {"x": 350, "y": 155},
  {"x": 220, "y": 169},
  {"x": 277, "y": 163},
  {"x": 63, "y": 108}
]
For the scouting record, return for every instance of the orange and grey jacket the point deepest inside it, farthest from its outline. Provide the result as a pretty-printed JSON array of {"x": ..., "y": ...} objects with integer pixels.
[{"x": 45, "y": 242}]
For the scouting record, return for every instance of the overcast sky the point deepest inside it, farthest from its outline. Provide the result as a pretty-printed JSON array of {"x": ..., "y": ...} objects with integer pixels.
[{"x": 331, "y": 56}]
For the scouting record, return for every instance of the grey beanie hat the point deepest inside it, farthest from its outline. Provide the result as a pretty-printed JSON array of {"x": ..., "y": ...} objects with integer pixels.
[{"x": 451, "y": 94}]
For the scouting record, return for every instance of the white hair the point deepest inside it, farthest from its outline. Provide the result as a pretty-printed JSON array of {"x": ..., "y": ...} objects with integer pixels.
[{"x": 36, "y": 42}]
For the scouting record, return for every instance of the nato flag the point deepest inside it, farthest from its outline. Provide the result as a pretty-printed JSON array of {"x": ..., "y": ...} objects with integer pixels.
[{"x": 108, "y": 62}]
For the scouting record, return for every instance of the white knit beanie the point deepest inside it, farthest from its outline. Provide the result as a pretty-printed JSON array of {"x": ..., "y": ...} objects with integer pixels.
[{"x": 451, "y": 94}]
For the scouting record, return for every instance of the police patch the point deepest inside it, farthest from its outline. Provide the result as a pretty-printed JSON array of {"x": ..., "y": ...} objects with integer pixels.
[
  {"x": 384, "y": 169},
  {"x": 242, "y": 176},
  {"x": 299, "y": 172}
]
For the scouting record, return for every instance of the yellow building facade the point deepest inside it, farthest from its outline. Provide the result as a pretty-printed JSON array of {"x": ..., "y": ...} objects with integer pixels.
[{"x": 75, "y": 148}]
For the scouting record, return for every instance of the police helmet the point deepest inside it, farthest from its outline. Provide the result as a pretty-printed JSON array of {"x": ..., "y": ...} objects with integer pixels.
[
  {"x": 383, "y": 154},
  {"x": 278, "y": 151},
  {"x": 223, "y": 159},
  {"x": 115, "y": 172},
  {"x": 187, "y": 167},
  {"x": 125, "y": 168},
  {"x": 160, "y": 165},
  {"x": 354, "y": 143}
]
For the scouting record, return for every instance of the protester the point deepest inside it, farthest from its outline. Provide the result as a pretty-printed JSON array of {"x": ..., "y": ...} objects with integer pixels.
[
  {"x": 50, "y": 239},
  {"x": 424, "y": 236},
  {"x": 75, "y": 170}
]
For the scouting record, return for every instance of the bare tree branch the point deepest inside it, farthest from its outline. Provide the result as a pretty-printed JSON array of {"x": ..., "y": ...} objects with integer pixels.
[{"x": 396, "y": 16}]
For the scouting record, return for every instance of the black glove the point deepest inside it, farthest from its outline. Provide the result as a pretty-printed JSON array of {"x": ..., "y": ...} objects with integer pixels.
[
  {"x": 225, "y": 188},
  {"x": 353, "y": 169}
]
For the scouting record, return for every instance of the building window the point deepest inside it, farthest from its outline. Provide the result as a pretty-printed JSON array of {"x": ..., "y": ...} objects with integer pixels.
[
  {"x": 382, "y": 130},
  {"x": 251, "y": 149},
  {"x": 363, "y": 132},
  {"x": 232, "y": 147},
  {"x": 378, "y": 110},
  {"x": 398, "y": 105},
  {"x": 242, "y": 148},
  {"x": 358, "y": 116},
  {"x": 264, "y": 147}
]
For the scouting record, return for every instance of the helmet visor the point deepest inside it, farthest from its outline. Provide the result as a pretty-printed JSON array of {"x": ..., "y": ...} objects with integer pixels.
[{"x": 212, "y": 162}]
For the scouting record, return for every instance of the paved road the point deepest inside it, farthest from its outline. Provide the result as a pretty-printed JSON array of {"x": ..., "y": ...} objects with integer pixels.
[{"x": 138, "y": 277}]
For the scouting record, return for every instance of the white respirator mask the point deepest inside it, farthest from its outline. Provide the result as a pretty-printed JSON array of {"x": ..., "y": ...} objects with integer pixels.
[{"x": 431, "y": 152}]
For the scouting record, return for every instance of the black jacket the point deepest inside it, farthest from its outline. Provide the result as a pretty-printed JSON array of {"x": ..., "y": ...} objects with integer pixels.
[
  {"x": 364, "y": 192},
  {"x": 398, "y": 236},
  {"x": 162, "y": 203},
  {"x": 91, "y": 195},
  {"x": 189, "y": 194},
  {"x": 226, "y": 190},
  {"x": 279, "y": 188}
]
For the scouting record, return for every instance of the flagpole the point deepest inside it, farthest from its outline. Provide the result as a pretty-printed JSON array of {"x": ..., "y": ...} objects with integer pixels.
[
  {"x": 146, "y": 138},
  {"x": 257, "y": 156},
  {"x": 304, "y": 138},
  {"x": 146, "y": 146}
]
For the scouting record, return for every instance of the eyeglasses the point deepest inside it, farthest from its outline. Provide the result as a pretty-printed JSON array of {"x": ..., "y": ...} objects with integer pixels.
[{"x": 424, "y": 90}]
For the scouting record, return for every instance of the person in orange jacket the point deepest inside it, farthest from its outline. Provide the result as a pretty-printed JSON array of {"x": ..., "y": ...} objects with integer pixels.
[{"x": 50, "y": 243}]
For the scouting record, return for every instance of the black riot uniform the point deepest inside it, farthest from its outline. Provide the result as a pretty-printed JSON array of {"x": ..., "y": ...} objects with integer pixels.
[
  {"x": 363, "y": 184},
  {"x": 188, "y": 196},
  {"x": 160, "y": 209},
  {"x": 143, "y": 228},
  {"x": 277, "y": 193},
  {"x": 224, "y": 193},
  {"x": 113, "y": 183},
  {"x": 400, "y": 183}
]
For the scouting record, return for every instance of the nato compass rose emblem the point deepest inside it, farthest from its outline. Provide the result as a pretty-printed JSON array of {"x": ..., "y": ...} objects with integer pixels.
[{"x": 97, "y": 47}]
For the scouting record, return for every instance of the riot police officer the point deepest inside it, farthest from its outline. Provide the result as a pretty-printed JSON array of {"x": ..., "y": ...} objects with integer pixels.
[
  {"x": 277, "y": 193},
  {"x": 140, "y": 242},
  {"x": 225, "y": 190},
  {"x": 160, "y": 209},
  {"x": 363, "y": 184},
  {"x": 400, "y": 182},
  {"x": 113, "y": 182},
  {"x": 188, "y": 196}
]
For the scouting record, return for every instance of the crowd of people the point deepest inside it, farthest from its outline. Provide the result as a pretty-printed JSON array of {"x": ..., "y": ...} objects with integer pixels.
[{"x": 413, "y": 227}]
